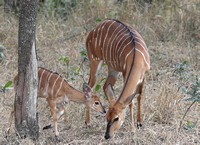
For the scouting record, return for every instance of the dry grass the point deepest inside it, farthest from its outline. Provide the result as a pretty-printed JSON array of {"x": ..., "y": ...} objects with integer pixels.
[{"x": 172, "y": 35}]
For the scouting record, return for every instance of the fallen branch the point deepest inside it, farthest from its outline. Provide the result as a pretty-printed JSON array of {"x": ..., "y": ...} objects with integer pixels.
[{"x": 185, "y": 114}]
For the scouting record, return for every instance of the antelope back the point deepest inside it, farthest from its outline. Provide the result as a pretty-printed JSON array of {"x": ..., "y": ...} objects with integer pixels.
[
  {"x": 112, "y": 41},
  {"x": 49, "y": 83},
  {"x": 52, "y": 85}
]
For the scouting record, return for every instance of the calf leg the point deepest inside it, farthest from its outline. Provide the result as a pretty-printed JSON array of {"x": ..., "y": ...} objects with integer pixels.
[
  {"x": 10, "y": 119},
  {"x": 52, "y": 106}
]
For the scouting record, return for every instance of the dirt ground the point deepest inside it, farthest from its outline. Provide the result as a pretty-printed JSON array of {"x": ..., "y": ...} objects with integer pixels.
[{"x": 163, "y": 105}]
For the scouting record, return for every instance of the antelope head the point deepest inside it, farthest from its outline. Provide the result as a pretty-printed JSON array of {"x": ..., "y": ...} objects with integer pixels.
[
  {"x": 92, "y": 100},
  {"x": 116, "y": 113}
]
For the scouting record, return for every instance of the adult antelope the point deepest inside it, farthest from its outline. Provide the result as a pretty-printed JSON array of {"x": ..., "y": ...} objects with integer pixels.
[
  {"x": 123, "y": 50},
  {"x": 57, "y": 92}
]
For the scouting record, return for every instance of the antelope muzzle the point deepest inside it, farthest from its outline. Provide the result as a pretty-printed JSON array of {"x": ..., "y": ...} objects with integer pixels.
[{"x": 107, "y": 135}]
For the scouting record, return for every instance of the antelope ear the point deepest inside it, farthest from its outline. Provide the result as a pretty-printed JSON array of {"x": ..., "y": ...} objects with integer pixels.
[
  {"x": 87, "y": 90},
  {"x": 129, "y": 99},
  {"x": 110, "y": 92}
]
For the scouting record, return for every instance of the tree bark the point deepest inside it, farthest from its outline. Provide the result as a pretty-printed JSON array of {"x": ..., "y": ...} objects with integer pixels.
[{"x": 26, "y": 120}]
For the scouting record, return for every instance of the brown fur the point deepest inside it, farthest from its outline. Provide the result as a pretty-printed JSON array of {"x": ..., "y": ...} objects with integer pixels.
[
  {"x": 57, "y": 92},
  {"x": 112, "y": 42}
]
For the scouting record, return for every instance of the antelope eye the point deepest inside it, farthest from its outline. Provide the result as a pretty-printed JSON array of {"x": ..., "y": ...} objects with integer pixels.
[
  {"x": 116, "y": 119},
  {"x": 96, "y": 103}
]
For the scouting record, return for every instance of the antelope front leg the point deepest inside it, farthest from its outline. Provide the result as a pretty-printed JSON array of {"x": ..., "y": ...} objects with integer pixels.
[
  {"x": 139, "y": 124},
  {"x": 95, "y": 66}
]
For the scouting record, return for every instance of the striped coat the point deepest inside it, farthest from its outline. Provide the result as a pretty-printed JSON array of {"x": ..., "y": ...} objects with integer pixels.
[
  {"x": 57, "y": 92},
  {"x": 111, "y": 41},
  {"x": 123, "y": 50}
]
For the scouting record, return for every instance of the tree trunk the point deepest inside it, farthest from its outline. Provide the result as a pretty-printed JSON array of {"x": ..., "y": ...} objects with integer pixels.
[{"x": 26, "y": 120}]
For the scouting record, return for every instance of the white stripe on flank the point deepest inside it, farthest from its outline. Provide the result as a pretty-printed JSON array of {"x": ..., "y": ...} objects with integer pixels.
[
  {"x": 126, "y": 58},
  {"x": 45, "y": 91},
  {"x": 142, "y": 47},
  {"x": 93, "y": 34},
  {"x": 48, "y": 82},
  {"x": 136, "y": 33},
  {"x": 111, "y": 44},
  {"x": 140, "y": 40},
  {"x": 123, "y": 42},
  {"x": 118, "y": 48},
  {"x": 105, "y": 22},
  {"x": 140, "y": 53},
  {"x": 54, "y": 85},
  {"x": 127, "y": 44},
  {"x": 115, "y": 50},
  {"x": 98, "y": 34},
  {"x": 96, "y": 39},
  {"x": 144, "y": 58},
  {"x": 106, "y": 37},
  {"x": 139, "y": 37},
  {"x": 41, "y": 78},
  {"x": 122, "y": 36},
  {"x": 59, "y": 87},
  {"x": 119, "y": 56}
]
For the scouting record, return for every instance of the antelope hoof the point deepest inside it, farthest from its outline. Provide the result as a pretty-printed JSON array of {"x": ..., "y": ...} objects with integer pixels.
[
  {"x": 107, "y": 136},
  {"x": 139, "y": 125},
  {"x": 47, "y": 127},
  {"x": 57, "y": 139},
  {"x": 87, "y": 125},
  {"x": 7, "y": 133}
]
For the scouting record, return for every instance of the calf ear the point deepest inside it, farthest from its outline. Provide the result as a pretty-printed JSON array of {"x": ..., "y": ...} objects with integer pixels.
[{"x": 87, "y": 90}]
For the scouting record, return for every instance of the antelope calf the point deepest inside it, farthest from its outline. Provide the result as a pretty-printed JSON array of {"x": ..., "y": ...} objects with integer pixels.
[
  {"x": 123, "y": 50},
  {"x": 57, "y": 92}
]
